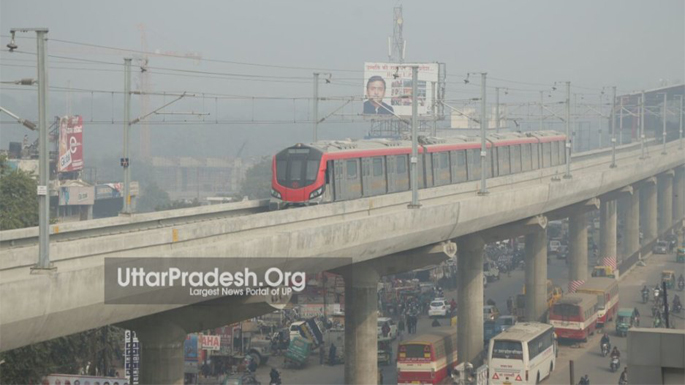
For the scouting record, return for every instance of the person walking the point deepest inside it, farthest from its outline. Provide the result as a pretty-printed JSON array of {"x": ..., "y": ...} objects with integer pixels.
[{"x": 331, "y": 355}]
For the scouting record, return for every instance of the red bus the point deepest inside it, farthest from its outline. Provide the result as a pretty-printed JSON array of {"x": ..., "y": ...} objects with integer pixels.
[
  {"x": 574, "y": 316},
  {"x": 427, "y": 358},
  {"x": 606, "y": 290}
]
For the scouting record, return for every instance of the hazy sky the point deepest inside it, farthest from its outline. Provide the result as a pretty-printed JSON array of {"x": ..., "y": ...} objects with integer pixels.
[{"x": 631, "y": 44}]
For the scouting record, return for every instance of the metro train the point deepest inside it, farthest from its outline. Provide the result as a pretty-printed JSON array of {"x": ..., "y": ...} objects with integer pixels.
[{"x": 333, "y": 171}]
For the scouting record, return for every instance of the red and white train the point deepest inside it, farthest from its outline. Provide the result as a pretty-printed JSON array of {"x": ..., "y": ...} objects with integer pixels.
[{"x": 332, "y": 171}]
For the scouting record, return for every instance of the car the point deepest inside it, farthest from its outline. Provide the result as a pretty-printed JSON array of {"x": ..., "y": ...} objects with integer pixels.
[
  {"x": 490, "y": 313},
  {"x": 553, "y": 246},
  {"x": 438, "y": 308},
  {"x": 491, "y": 271},
  {"x": 504, "y": 322},
  {"x": 661, "y": 247},
  {"x": 392, "y": 333}
]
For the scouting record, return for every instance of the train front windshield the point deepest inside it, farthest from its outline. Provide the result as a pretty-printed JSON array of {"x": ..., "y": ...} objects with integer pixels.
[{"x": 297, "y": 167}]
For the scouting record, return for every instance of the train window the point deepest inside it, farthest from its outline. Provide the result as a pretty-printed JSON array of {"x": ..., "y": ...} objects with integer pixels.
[
  {"x": 515, "y": 158},
  {"x": 377, "y": 166},
  {"x": 503, "y": 160},
  {"x": 526, "y": 161},
  {"x": 473, "y": 160},
  {"x": 546, "y": 154},
  {"x": 444, "y": 160},
  {"x": 351, "y": 169},
  {"x": 535, "y": 156},
  {"x": 401, "y": 164},
  {"x": 295, "y": 170},
  {"x": 281, "y": 166},
  {"x": 312, "y": 170},
  {"x": 460, "y": 165}
]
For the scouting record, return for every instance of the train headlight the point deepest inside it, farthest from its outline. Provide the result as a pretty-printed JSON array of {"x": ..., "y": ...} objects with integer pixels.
[
  {"x": 275, "y": 194},
  {"x": 316, "y": 192}
]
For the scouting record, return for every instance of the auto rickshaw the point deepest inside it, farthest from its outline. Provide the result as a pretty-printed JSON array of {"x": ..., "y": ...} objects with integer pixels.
[
  {"x": 668, "y": 276},
  {"x": 625, "y": 319},
  {"x": 680, "y": 256}
]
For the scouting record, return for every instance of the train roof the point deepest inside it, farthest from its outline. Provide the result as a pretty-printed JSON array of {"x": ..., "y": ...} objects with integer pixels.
[
  {"x": 432, "y": 144},
  {"x": 523, "y": 331},
  {"x": 597, "y": 283},
  {"x": 578, "y": 299},
  {"x": 433, "y": 336}
]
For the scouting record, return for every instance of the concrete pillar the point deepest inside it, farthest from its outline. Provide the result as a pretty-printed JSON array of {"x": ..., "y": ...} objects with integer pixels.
[
  {"x": 679, "y": 194},
  {"x": 621, "y": 208},
  {"x": 361, "y": 315},
  {"x": 607, "y": 229},
  {"x": 470, "y": 297},
  {"x": 649, "y": 226},
  {"x": 536, "y": 275},
  {"x": 161, "y": 353},
  {"x": 631, "y": 234},
  {"x": 665, "y": 201},
  {"x": 578, "y": 250}
]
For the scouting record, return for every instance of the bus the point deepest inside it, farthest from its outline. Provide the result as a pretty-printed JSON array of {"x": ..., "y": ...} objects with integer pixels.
[
  {"x": 574, "y": 316},
  {"x": 427, "y": 358},
  {"x": 523, "y": 354},
  {"x": 606, "y": 290}
]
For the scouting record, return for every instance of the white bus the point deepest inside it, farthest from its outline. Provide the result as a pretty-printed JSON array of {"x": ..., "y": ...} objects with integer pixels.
[{"x": 523, "y": 354}]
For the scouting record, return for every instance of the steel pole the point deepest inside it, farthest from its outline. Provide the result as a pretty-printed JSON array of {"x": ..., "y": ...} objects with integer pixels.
[
  {"x": 680, "y": 132},
  {"x": 663, "y": 139},
  {"x": 497, "y": 110},
  {"x": 483, "y": 130},
  {"x": 435, "y": 118},
  {"x": 568, "y": 129},
  {"x": 613, "y": 128},
  {"x": 642, "y": 125},
  {"x": 600, "y": 122},
  {"x": 126, "y": 164},
  {"x": 43, "y": 155},
  {"x": 620, "y": 125},
  {"x": 315, "y": 108},
  {"x": 414, "y": 139}
]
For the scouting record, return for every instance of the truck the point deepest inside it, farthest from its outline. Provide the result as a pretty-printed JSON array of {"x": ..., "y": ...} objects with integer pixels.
[{"x": 308, "y": 329}]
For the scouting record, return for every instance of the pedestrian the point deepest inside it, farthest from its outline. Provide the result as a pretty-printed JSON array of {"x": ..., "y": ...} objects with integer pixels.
[
  {"x": 400, "y": 325},
  {"x": 331, "y": 355}
]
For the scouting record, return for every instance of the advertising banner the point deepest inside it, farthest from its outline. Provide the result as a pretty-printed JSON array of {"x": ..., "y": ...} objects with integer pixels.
[
  {"x": 76, "y": 195},
  {"x": 132, "y": 356},
  {"x": 210, "y": 342},
  {"x": 388, "y": 88},
  {"x": 70, "y": 144}
]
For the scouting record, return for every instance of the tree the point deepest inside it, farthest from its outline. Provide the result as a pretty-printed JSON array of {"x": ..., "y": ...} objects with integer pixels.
[
  {"x": 18, "y": 202},
  {"x": 152, "y": 197},
  {"x": 178, "y": 204},
  {"x": 257, "y": 183}
]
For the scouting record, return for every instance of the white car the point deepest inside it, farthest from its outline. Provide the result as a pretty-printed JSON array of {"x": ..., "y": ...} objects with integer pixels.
[
  {"x": 438, "y": 308},
  {"x": 392, "y": 333}
]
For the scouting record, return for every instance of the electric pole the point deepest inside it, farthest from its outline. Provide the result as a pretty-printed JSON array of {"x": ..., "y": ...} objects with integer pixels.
[
  {"x": 613, "y": 128},
  {"x": 315, "y": 108},
  {"x": 497, "y": 110},
  {"x": 642, "y": 125},
  {"x": 663, "y": 152},
  {"x": 125, "y": 160},
  {"x": 414, "y": 140},
  {"x": 568, "y": 131},
  {"x": 483, "y": 129}
]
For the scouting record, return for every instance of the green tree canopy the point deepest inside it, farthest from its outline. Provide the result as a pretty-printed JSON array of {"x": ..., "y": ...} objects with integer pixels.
[
  {"x": 18, "y": 200},
  {"x": 257, "y": 183},
  {"x": 152, "y": 197}
]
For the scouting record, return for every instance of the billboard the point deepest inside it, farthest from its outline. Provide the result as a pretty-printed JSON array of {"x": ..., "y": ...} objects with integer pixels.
[
  {"x": 76, "y": 195},
  {"x": 388, "y": 88},
  {"x": 70, "y": 144},
  {"x": 210, "y": 342}
]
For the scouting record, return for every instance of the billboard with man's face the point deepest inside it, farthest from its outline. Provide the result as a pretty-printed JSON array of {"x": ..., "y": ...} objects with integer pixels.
[{"x": 388, "y": 88}]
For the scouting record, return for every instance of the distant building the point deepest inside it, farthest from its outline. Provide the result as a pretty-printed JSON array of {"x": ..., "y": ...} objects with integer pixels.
[{"x": 185, "y": 178}]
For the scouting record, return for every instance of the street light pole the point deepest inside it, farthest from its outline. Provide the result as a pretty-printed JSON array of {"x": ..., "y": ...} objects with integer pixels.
[
  {"x": 620, "y": 124},
  {"x": 414, "y": 140},
  {"x": 680, "y": 132},
  {"x": 568, "y": 131},
  {"x": 613, "y": 128},
  {"x": 497, "y": 110},
  {"x": 483, "y": 129},
  {"x": 125, "y": 161},
  {"x": 642, "y": 125},
  {"x": 43, "y": 190},
  {"x": 663, "y": 151},
  {"x": 315, "y": 108}
]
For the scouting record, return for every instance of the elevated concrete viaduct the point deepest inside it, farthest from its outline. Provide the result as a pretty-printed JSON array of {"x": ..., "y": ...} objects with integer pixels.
[{"x": 71, "y": 298}]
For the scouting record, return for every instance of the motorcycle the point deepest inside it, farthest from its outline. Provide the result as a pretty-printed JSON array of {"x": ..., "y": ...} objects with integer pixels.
[
  {"x": 677, "y": 307},
  {"x": 275, "y": 377},
  {"x": 614, "y": 365},
  {"x": 657, "y": 295},
  {"x": 606, "y": 348},
  {"x": 681, "y": 285},
  {"x": 657, "y": 322},
  {"x": 645, "y": 296}
]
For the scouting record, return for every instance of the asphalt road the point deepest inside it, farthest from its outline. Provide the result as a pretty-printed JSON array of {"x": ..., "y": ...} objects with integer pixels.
[{"x": 586, "y": 356}]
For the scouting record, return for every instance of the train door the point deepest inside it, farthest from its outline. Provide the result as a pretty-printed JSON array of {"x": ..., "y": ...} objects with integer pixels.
[
  {"x": 338, "y": 179},
  {"x": 390, "y": 172},
  {"x": 366, "y": 177}
]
